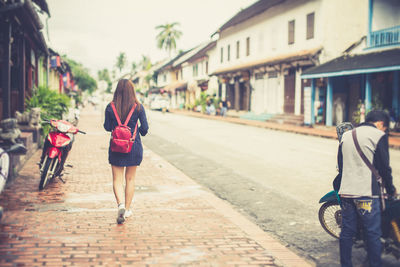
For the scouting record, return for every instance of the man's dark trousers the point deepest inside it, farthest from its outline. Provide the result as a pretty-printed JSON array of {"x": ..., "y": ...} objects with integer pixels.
[{"x": 368, "y": 210}]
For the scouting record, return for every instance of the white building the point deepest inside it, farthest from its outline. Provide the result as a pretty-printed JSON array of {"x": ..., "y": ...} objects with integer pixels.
[{"x": 263, "y": 49}]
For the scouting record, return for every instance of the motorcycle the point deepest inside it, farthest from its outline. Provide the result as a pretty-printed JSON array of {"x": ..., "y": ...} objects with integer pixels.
[
  {"x": 57, "y": 145},
  {"x": 330, "y": 215},
  {"x": 5, "y": 151}
]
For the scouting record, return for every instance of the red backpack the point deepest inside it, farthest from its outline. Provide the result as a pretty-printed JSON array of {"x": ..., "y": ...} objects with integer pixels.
[{"x": 121, "y": 137}]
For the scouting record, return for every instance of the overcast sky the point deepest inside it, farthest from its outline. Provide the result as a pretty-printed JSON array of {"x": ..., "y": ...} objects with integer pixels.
[{"x": 93, "y": 32}]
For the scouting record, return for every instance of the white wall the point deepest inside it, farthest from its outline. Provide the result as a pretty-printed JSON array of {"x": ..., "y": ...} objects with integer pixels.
[
  {"x": 344, "y": 23},
  {"x": 160, "y": 78},
  {"x": 268, "y": 33}
]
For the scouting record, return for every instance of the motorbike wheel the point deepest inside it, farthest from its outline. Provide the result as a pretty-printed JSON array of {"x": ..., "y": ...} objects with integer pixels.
[
  {"x": 48, "y": 171},
  {"x": 330, "y": 217}
]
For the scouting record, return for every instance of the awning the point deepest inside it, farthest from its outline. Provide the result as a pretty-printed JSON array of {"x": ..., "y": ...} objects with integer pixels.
[
  {"x": 176, "y": 86},
  {"x": 387, "y": 60},
  {"x": 286, "y": 58}
]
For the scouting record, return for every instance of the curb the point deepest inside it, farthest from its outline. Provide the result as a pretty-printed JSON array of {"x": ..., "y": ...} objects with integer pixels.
[{"x": 282, "y": 255}]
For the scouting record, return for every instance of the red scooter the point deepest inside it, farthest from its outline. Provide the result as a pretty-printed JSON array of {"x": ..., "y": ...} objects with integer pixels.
[{"x": 57, "y": 145}]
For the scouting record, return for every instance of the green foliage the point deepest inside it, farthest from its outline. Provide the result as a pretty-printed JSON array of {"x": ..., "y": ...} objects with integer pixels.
[
  {"x": 357, "y": 113},
  {"x": 202, "y": 101},
  {"x": 133, "y": 67},
  {"x": 376, "y": 105},
  {"x": 145, "y": 63},
  {"x": 52, "y": 105},
  {"x": 81, "y": 76}
]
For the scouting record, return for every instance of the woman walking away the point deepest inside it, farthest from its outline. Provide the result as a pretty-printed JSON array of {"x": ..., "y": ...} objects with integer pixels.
[{"x": 122, "y": 163}]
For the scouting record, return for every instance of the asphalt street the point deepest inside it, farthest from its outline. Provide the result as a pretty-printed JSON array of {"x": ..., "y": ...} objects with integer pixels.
[{"x": 274, "y": 178}]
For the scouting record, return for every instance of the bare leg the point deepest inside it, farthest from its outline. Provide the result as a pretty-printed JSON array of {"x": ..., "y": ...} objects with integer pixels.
[
  {"x": 118, "y": 186},
  {"x": 130, "y": 185}
]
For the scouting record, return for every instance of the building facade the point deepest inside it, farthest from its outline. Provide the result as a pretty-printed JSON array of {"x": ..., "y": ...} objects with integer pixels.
[
  {"x": 264, "y": 49},
  {"x": 23, "y": 53},
  {"x": 363, "y": 77}
]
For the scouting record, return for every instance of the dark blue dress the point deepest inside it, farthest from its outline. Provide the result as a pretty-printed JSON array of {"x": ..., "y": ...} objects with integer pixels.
[{"x": 133, "y": 158}]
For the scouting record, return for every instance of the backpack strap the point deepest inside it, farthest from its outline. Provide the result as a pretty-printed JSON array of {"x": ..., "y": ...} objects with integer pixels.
[
  {"x": 116, "y": 114},
  {"x": 130, "y": 115}
]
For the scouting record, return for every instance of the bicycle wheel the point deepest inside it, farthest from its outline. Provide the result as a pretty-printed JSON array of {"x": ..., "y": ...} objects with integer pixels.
[
  {"x": 330, "y": 217},
  {"x": 47, "y": 172}
]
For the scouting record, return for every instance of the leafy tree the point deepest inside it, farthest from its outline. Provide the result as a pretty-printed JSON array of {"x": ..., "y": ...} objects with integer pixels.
[
  {"x": 121, "y": 61},
  {"x": 167, "y": 37},
  {"x": 133, "y": 67},
  {"x": 81, "y": 75},
  {"x": 145, "y": 63}
]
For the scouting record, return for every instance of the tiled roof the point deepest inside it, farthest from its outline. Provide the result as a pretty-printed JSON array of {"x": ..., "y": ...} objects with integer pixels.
[
  {"x": 247, "y": 13},
  {"x": 359, "y": 63}
]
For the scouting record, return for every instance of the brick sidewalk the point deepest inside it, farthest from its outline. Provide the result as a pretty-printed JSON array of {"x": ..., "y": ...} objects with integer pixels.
[
  {"x": 176, "y": 222},
  {"x": 326, "y": 132}
]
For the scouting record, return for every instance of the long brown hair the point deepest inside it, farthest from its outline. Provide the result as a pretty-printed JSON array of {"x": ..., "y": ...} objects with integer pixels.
[{"x": 124, "y": 98}]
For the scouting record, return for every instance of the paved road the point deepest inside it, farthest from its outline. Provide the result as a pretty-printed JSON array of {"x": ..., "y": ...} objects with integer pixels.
[{"x": 275, "y": 178}]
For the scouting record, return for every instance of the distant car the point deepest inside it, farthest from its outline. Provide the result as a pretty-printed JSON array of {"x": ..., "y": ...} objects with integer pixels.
[{"x": 160, "y": 102}]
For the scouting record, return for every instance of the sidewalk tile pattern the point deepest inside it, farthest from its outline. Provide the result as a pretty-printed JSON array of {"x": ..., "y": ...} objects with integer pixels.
[{"x": 175, "y": 221}]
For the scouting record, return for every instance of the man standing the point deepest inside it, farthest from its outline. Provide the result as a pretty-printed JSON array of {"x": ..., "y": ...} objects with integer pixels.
[{"x": 359, "y": 189}]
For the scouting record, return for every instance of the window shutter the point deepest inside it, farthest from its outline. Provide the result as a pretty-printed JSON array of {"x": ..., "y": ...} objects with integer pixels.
[
  {"x": 291, "y": 32},
  {"x": 310, "y": 26}
]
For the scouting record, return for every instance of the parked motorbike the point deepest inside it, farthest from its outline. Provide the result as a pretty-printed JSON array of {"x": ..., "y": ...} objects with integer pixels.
[
  {"x": 330, "y": 216},
  {"x": 5, "y": 151},
  {"x": 57, "y": 145}
]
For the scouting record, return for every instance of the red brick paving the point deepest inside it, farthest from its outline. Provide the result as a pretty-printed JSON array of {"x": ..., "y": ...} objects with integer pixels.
[
  {"x": 175, "y": 222},
  {"x": 320, "y": 131}
]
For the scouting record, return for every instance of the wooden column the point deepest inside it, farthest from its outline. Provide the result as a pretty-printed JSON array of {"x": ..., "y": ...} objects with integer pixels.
[
  {"x": 368, "y": 93},
  {"x": 247, "y": 99},
  {"x": 237, "y": 96},
  {"x": 6, "y": 79},
  {"x": 22, "y": 74},
  {"x": 396, "y": 93},
  {"x": 312, "y": 101},
  {"x": 329, "y": 102}
]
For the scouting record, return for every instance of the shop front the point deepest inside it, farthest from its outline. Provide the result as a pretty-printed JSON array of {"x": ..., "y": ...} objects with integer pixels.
[{"x": 346, "y": 88}]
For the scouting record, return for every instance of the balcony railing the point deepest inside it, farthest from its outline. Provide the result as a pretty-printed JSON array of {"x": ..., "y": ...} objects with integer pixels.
[{"x": 389, "y": 36}]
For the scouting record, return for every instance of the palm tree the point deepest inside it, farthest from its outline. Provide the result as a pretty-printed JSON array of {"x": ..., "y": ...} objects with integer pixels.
[
  {"x": 167, "y": 37},
  {"x": 121, "y": 61}
]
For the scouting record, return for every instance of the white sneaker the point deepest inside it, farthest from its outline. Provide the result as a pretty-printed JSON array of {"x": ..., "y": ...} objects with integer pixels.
[
  {"x": 128, "y": 213},
  {"x": 121, "y": 213}
]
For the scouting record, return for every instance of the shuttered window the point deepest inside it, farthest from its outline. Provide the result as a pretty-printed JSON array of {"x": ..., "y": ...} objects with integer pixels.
[
  {"x": 222, "y": 54},
  {"x": 248, "y": 46},
  {"x": 229, "y": 53},
  {"x": 291, "y": 32},
  {"x": 237, "y": 49},
  {"x": 310, "y": 26}
]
